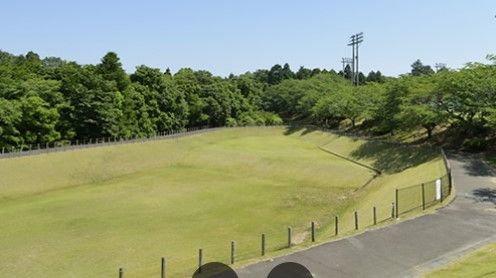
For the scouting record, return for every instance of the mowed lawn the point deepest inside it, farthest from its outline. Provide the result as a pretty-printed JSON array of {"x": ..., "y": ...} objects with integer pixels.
[
  {"x": 85, "y": 213},
  {"x": 480, "y": 263}
]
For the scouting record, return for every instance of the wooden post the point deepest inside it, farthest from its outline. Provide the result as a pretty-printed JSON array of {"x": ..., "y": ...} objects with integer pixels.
[
  {"x": 374, "y": 211},
  {"x": 423, "y": 197},
  {"x": 392, "y": 210},
  {"x": 397, "y": 205},
  {"x": 162, "y": 272},
  {"x": 263, "y": 245},
  {"x": 121, "y": 272},
  {"x": 289, "y": 237},
  {"x": 356, "y": 220},
  {"x": 313, "y": 231},
  {"x": 336, "y": 225},
  {"x": 233, "y": 251},
  {"x": 200, "y": 260}
]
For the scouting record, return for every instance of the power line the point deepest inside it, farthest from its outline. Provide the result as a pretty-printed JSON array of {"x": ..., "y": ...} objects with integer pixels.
[
  {"x": 355, "y": 41},
  {"x": 346, "y": 62}
]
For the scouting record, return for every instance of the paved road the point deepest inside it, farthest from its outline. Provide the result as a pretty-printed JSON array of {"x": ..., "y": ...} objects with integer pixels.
[{"x": 410, "y": 247}]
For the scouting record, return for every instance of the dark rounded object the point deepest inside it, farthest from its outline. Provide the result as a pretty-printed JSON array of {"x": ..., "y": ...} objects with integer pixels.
[
  {"x": 215, "y": 270},
  {"x": 290, "y": 270}
]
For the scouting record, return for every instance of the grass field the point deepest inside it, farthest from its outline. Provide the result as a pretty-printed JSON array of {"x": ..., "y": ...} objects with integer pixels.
[
  {"x": 481, "y": 263},
  {"x": 84, "y": 213}
]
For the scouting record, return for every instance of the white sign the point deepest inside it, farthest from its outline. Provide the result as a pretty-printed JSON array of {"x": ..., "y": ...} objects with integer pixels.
[{"x": 438, "y": 189}]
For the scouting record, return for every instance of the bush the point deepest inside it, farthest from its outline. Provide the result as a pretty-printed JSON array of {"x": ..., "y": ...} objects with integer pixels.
[
  {"x": 245, "y": 119},
  {"x": 475, "y": 144},
  {"x": 272, "y": 119},
  {"x": 231, "y": 122}
]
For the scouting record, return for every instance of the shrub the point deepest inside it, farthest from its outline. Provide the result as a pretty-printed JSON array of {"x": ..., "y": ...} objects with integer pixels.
[{"x": 475, "y": 144}]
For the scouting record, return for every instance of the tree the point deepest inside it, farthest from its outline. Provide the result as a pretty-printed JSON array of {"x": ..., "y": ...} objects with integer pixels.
[
  {"x": 167, "y": 106},
  {"x": 111, "y": 69},
  {"x": 420, "y": 106},
  {"x": 303, "y": 73},
  {"x": 10, "y": 117},
  {"x": 348, "y": 74},
  {"x": 375, "y": 77},
  {"x": 38, "y": 121},
  {"x": 389, "y": 106},
  {"x": 468, "y": 96},
  {"x": 419, "y": 69},
  {"x": 275, "y": 75}
]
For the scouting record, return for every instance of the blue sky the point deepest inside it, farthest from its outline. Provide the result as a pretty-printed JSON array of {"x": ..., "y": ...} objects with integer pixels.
[{"x": 236, "y": 36}]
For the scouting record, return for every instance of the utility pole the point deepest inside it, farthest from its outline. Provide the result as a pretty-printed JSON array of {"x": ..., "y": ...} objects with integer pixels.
[
  {"x": 346, "y": 62},
  {"x": 355, "y": 41}
]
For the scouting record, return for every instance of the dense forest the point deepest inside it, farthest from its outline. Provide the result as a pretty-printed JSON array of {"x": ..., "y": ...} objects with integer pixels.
[{"x": 52, "y": 100}]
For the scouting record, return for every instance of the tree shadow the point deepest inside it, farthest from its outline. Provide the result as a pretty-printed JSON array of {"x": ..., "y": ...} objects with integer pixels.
[
  {"x": 485, "y": 195},
  {"x": 477, "y": 168},
  {"x": 292, "y": 129},
  {"x": 390, "y": 158}
]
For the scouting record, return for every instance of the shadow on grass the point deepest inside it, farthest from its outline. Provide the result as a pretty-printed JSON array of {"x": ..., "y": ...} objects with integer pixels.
[
  {"x": 388, "y": 157},
  {"x": 391, "y": 158},
  {"x": 292, "y": 129},
  {"x": 485, "y": 195}
]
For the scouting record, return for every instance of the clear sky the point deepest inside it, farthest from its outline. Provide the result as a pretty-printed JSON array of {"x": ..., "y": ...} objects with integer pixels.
[{"x": 230, "y": 36}]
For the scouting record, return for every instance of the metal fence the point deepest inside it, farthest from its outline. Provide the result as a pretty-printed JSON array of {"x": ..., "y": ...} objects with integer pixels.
[
  {"x": 96, "y": 142},
  {"x": 405, "y": 200},
  {"x": 60, "y": 146}
]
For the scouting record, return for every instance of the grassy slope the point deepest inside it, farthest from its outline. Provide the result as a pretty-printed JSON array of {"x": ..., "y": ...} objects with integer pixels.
[
  {"x": 87, "y": 212},
  {"x": 481, "y": 263}
]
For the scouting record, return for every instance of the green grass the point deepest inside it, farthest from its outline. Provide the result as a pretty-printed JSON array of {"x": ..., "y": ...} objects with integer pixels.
[
  {"x": 480, "y": 263},
  {"x": 84, "y": 213}
]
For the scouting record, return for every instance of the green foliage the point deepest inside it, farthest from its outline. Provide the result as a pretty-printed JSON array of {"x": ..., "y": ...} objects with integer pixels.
[
  {"x": 420, "y": 106},
  {"x": 418, "y": 69},
  {"x": 46, "y": 100},
  {"x": 475, "y": 144}
]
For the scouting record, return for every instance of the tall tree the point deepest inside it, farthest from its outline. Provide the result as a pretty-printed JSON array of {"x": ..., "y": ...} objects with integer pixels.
[
  {"x": 111, "y": 69},
  {"x": 418, "y": 69}
]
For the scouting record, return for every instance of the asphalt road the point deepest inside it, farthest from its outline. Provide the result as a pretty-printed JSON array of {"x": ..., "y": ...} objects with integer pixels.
[{"x": 411, "y": 247}]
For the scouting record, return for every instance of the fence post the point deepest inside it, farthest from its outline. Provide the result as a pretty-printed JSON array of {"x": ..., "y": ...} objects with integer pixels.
[
  {"x": 442, "y": 193},
  {"x": 233, "y": 251},
  {"x": 289, "y": 237},
  {"x": 374, "y": 212},
  {"x": 423, "y": 197},
  {"x": 263, "y": 245},
  {"x": 392, "y": 210},
  {"x": 397, "y": 205},
  {"x": 336, "y": 225},
  {"x": 200, "y": 260},
  {"x": 313, "y": 231},
  {"x": 162, "y": 272},
  {"x": 121, "y": 272},
  {"x": 356, "y": 220},
  {"x": 450, "y": 181}
]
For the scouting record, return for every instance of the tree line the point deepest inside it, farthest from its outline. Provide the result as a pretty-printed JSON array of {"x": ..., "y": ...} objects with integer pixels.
[{"x": 50, "y": 100}]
